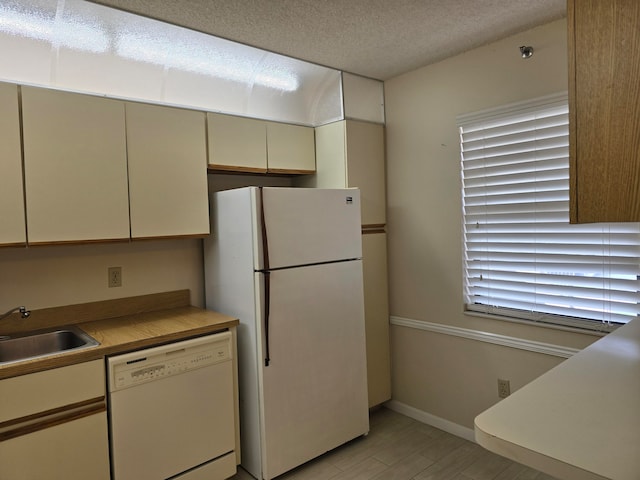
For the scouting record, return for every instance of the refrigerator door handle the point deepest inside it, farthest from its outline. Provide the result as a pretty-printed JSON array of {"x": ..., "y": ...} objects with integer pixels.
[
  {"x": 263, "y": 230},
  {"x": 267, "y": 301},
  {"x": 267, "y": 289}
]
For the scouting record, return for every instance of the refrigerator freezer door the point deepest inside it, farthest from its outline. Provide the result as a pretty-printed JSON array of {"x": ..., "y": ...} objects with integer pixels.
[
  {"x": 315, "y": 388},
  {"x": 307, "y": 226}
]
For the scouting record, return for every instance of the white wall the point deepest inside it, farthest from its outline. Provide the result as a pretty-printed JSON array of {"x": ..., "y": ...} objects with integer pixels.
[{"x": 447, "y": 377}]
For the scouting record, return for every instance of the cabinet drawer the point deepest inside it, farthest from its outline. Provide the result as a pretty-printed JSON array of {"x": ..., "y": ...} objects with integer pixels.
[
  {"x": 76, "y": 450},
  {"x": 42, "y": 391}
]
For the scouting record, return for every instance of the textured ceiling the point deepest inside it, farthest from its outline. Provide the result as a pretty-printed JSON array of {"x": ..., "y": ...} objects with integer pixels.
[{"x": 374, "y": 38}]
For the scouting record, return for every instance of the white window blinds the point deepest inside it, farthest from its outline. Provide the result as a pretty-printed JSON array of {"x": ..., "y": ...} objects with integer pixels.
[{"x": 522, "y": 257}]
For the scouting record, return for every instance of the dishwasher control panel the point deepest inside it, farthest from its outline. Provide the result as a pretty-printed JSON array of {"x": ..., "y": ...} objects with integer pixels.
[{"x": 151, "y": 364}]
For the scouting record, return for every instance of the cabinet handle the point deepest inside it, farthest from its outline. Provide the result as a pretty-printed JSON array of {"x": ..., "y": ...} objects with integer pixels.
[{"x": 50, "y": 418}]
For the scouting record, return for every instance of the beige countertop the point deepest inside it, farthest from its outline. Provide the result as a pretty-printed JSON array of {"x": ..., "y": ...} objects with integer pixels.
[
  {"x": 580, "y": 420},
  {"x": 126, "y": 331}
]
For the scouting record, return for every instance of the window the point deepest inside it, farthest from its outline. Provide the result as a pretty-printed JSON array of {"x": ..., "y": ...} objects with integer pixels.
[{"x": 522, "y": 257}]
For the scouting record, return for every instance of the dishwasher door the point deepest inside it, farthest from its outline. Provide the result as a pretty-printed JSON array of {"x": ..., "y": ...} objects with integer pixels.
[{"x": 171, "y": 411}]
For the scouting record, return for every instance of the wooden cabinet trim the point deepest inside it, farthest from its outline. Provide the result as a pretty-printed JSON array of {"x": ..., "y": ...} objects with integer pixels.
[
  {"x": 13, "y": 245},
  {"x": 170, "y": 237},
  {"x": 215, "y": 168},
  {"x": 373, "y": 228},
  {"x": 50, "y": 418},
  {"x": 79, "y": 242},
  {"x": 286, "y": 171}
]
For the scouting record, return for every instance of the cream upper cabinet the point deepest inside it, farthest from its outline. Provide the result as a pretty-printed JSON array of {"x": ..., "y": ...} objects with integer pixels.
[
  {"x": 236, "y": 143},
  {"x": 75, "y": 164},
  {"x": 331, "y": 159},
  {"x": 290, "y": 148},
  {"x": 376, "y": 312},
  {"x": 350, "y": 153},
  {"x": 167, "y": 163},
  {"x": 12, "y": 226},
  {"x": 366, "y": 168},
  {"x": 604, "y": 107},
  {"x": 248, "y": 145}
]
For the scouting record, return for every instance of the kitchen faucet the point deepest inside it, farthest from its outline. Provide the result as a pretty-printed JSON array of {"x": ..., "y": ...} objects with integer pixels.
[{"x": 24, "y": 313}]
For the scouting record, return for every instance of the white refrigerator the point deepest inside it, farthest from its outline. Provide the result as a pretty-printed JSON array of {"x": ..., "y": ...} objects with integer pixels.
[{"x": 287, "y": 263}]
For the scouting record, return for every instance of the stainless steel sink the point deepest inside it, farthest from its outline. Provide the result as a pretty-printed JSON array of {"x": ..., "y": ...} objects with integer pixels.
[{"x": 43, "y": 343}]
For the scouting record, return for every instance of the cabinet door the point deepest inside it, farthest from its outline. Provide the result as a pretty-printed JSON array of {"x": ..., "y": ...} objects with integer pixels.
[
  {"x": 604, "y": 106},
  {"x": 55, "y": 424},
  {"x": 291, "y": 148},
  {"x": 366, "y": 168},
  {"x": 29, "y": 395},
  {"x": 167, "y": 171},
  {"x": 376, "y": 313},
  {"x": 331, "y": 161},
  {"x": 237, "y": 143},
  {"x": 12, "y": 227},
  {"x": 75, "y": 167},
  {"x": 74, "y": 450}
]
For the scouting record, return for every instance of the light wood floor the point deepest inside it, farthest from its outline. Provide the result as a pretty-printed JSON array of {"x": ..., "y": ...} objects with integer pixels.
[{"x": 400, "y": 448}]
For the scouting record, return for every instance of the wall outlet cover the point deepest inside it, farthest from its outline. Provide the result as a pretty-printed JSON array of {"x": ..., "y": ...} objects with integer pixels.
[
  {"x": 504, "y": 388},
  {"x": 115, "y": 277}
]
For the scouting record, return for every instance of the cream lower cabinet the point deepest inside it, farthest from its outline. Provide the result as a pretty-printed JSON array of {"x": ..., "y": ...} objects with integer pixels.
[
  {"x": 12, "y": 226},
  {"x": 376, "y": 314},
  {"x": 53, "y": 425},
  {"x": 167, "y": 163},
  {"x": 75, "y": 450},
  {"x": 75, "y": 163}
]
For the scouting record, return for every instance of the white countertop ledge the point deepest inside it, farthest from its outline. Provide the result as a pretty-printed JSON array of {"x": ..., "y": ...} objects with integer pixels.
[{"x": 580, "y": 420}]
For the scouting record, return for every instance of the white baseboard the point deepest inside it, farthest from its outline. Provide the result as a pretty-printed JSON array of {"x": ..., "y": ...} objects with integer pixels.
[{"x": 429, "y": 419}]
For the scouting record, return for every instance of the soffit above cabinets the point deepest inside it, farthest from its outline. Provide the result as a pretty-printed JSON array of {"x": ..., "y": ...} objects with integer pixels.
[{"x": 81, "y": 46}]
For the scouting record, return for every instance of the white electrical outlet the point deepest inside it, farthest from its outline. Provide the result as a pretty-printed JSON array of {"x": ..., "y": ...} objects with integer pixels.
[
  {"x": 504, "y": 388},
  {"x": 115, "y": 276}
]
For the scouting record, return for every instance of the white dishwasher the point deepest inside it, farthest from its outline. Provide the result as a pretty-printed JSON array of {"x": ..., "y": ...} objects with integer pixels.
[{"x": 171, "y": 411}]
